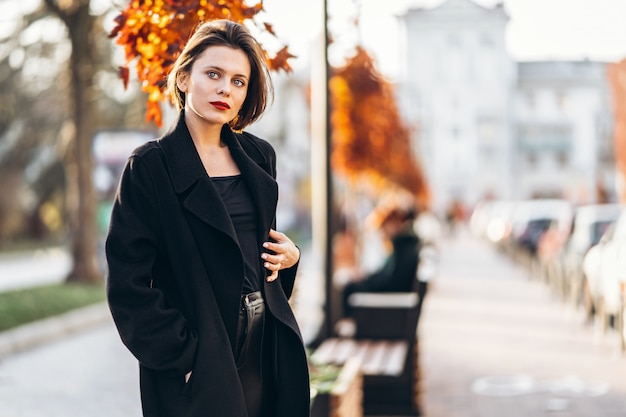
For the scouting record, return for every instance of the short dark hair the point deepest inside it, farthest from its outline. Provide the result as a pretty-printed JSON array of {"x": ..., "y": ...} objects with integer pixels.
[
  {"x": 400, "y": 214},
  {"x": 226, "y": 33}
]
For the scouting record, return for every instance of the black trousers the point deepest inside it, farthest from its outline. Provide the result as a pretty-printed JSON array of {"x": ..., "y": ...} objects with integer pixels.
[{"x": 254, "y": 355}]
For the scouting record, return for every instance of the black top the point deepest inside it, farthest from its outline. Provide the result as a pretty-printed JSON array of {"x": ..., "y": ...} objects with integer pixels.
[{"x": 236, "y": 197}]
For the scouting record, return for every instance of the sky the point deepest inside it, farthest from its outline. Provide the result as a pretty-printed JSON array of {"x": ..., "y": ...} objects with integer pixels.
[{"x": 537, "y": 29}]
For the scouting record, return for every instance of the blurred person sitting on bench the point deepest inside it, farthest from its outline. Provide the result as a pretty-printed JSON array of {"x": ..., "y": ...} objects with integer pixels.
[{"x": 398, "y": 271}]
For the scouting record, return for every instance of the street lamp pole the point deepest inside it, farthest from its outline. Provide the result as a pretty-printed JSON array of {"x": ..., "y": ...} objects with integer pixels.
[
  {"x": 330, "y": 226},
  {"x": 322, "y": 190}
]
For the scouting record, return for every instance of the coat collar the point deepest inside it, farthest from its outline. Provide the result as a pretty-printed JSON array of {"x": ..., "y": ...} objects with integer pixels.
[{"x": 200, "y": 194}]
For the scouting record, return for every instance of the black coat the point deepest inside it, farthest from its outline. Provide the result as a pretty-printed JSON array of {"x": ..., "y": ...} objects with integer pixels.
[{"x": 176, "y": 276}]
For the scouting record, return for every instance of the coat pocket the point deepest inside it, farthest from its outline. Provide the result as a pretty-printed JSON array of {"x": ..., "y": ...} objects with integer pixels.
[{"x": 164, "y": 394}]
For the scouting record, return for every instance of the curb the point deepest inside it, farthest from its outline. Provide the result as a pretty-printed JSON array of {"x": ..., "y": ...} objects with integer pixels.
[{"x": 35, "y": 334}]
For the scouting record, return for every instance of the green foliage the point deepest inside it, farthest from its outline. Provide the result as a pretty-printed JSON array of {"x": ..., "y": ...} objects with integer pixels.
[
  {"x": 323, "y": 377},
  {"x": 28, "y": 305}
]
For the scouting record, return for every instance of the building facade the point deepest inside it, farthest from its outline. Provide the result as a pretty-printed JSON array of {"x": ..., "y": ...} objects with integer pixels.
[{"x": 489, "y": 127}]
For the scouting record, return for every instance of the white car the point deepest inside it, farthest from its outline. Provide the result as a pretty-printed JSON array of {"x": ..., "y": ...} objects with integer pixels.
[
  {"x": 604, "y": 266},
  {"x": 591, "y": 221}
]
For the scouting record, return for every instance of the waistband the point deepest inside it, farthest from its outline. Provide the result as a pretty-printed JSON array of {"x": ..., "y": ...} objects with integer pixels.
[{"x": 251, "y": 298}]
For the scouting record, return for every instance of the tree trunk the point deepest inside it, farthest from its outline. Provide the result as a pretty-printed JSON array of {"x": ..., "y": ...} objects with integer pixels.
[{"x": 79, "y": 159}]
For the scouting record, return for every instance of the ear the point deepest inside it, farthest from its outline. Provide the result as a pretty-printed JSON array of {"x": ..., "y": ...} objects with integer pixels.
[{"x": 181, "y": 81}]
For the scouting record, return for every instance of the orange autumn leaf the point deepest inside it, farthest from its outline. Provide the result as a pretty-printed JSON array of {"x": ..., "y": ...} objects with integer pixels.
[
  {"x": 269, "y": 28},
  {"x": 124, "y": 73},
  {"x": 281, "y": 60},
  {"x": 369, "y": 138},
  {"x": 154, "y": 32}
]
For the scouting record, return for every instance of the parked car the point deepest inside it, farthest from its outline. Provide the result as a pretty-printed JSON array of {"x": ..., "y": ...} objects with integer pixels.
[
  {"x": 590, "y": 223},
  {"x": 532, "y": 218},
  {"x": 604, "y": 267},
  {"x": 492, "y": 220}
]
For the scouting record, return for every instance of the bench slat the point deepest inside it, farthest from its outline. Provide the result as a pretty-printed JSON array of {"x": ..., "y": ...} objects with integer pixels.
[
  {"x": 324, "y": 354},
  {"x": 361, "y": 352},
  {"x": 377, "y": 357},
  {"x": 344, "y": 351},
  {"x": 395, "y": 357}
]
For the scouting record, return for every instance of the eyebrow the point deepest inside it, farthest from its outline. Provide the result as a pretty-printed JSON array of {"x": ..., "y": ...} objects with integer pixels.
[{"x": 207, "y": 67}]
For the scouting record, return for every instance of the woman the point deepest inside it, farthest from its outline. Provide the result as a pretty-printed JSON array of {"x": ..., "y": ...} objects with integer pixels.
[
  {"x": 398, "y": 273},
  {"x": 199, "y": 281}
]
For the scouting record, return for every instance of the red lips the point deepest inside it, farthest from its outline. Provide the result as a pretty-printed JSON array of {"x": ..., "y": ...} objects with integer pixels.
[{"x": 220, "y": 105}]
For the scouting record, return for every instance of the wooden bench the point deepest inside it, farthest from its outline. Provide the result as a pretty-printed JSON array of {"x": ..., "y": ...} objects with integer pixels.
[{"x": 385, "y": 343}]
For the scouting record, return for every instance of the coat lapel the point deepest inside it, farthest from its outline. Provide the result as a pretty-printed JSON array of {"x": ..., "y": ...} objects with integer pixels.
[{"x": 200, "y": 196}]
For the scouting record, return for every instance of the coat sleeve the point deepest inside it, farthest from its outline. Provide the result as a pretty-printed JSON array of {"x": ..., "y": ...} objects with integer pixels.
[
  {"x": 158, "y": 335},
  {"x": 288, "y": 279}
]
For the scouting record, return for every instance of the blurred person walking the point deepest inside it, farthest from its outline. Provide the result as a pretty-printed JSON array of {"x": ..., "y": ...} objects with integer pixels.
[
  {"x": 199, "y": 280},
  {"x": 455, "y": 217}
]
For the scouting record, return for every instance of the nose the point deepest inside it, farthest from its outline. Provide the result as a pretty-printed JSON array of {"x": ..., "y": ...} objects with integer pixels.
[{"x": 224, "y": 88}]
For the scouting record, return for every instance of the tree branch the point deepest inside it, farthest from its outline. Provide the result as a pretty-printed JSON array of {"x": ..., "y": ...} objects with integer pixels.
[{"x": 57, "y": 10}]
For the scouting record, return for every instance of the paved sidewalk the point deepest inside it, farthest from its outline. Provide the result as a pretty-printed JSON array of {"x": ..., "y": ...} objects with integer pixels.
[
  {"x": 86, "y": 374},
  {"x": 33, "y": 268},
  {"x": 495, "y": 343},
  {"x": 45, "y": 331}
]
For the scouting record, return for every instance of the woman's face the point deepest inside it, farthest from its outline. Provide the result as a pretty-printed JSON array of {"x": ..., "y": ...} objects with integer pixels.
[{"x": 217, "y": 85}]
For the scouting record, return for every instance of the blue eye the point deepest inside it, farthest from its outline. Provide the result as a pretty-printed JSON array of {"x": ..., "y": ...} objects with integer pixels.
[
  {"x": 212, "y": 74},
  {"x": 239, "y": 83}
]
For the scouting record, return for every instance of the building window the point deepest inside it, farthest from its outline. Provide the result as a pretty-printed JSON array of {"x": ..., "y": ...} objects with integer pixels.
[
  {"x": 454, "y": 132},
  {"x": 488, "y": 157},
  {"x": 454, "y": 102},
  {"x": 530, "y": 99},
  {"x": 487, "y": 131},
  {"x": 561, "y": 99},
  {"x": 453, "y": 40},
  {"x": 545, "y": 137},
  {"x": 486, "y": 41}
]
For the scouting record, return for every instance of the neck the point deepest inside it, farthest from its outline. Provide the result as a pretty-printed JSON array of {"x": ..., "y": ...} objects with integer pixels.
[{"x": 204, "y": 135}]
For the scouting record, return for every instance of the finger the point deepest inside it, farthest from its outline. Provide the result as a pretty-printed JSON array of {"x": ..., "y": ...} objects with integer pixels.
[
  {"x": 272, "y": 277},
  {"x": 272, "y": 258},
  {"x": 278, "y": 236},
  {"x": 273, "y": 266},
  {"x": 276, "y": 252},
  {"x": 270, "y": 245}
]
